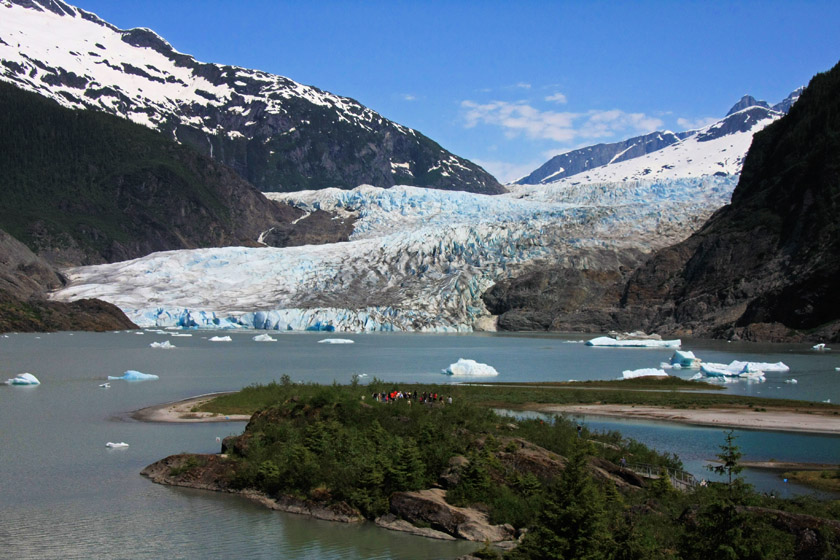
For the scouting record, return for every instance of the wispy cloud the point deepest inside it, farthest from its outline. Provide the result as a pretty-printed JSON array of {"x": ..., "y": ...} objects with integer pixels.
[
  {"x": 505, "y": 171},
  {"x": 557, "y": 98},
  {"x": 409, "y": 97},
  {"x": 694, "y": 124},
  {"x": 521, "y": 118}
]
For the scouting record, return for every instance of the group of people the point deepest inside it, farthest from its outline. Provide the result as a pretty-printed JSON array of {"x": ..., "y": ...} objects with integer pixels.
[{"x": 425, "y": 397}]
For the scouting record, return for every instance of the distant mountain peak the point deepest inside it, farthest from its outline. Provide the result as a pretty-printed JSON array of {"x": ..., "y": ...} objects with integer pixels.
[{"x": 745, "y": 103}]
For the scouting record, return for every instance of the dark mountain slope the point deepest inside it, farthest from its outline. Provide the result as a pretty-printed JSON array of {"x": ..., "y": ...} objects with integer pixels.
[{"x": 82, "y": 187}]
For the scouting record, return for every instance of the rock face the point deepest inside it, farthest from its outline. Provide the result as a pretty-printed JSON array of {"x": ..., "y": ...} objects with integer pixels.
[
  {"x": 24, "y": 277},
  {"x": 276, "y": 133},
  {"x": 430, "y": 507},
  {"x": 564, "y": 299}
]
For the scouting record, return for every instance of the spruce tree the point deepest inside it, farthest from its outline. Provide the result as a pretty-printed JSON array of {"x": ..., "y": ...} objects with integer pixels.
[{"x": 572, "y": 524}]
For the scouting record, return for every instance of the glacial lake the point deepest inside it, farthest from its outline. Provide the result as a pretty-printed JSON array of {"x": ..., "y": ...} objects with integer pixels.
[{"x": 63, "y": 494}]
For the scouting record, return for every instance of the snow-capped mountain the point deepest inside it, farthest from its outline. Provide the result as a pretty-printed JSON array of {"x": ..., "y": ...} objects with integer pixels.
[
  {"x": 418, "y": 260},
  {"x": 717, "y": 149},
  {"x": 278, "y": 134}
]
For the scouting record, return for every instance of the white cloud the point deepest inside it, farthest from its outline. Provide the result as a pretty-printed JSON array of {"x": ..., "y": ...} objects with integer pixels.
[
  {"x": 523, "y": 85},
  {"x": 507, "y": 172},
  {"x": 557, "y": 98},
  {"x": 521, "y": 118},
  {"x": 694, "y": 124},
  {"x": 409, "y": 97}
]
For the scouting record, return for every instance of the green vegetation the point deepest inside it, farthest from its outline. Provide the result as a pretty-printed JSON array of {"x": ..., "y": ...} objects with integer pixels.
[
  {"x": 828, "y": 480},
  {"x": 90, "y": 181},
  {"x": 337, "y": 444},
  {"x": 517, "y": 396}
]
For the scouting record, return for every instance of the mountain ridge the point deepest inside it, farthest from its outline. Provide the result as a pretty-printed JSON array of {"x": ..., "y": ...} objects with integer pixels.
[{"x": 276, "y": 133}]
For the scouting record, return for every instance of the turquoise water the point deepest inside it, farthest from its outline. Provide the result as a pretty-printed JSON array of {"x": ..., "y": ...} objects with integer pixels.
[{"x": 64, "y": 495}]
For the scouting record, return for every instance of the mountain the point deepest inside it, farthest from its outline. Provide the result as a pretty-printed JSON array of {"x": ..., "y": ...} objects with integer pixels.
[
  {"x": 82, "y": 187},
  {"x": 764, "y": 267},
  {"x": 274, "y": 132},
  {"x": 718, "y": 148}
]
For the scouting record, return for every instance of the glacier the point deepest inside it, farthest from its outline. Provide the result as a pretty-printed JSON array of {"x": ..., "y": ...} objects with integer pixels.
[{"x": 418, "y": 259}]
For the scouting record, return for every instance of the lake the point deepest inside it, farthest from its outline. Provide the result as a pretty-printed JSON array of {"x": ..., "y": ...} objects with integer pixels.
[{"x": 63, "y": 494}]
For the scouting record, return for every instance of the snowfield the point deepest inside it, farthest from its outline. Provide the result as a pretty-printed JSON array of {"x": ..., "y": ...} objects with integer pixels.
[{"x": 418, "y": 260}]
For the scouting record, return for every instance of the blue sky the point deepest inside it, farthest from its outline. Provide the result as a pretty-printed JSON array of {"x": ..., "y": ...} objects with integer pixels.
[{"x": 509, "y": 84}]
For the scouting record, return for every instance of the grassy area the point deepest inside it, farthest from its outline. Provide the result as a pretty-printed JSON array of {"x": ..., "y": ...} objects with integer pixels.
[
  {"x": 674, "y": 393},
  {"x": 828, "y": 480}
]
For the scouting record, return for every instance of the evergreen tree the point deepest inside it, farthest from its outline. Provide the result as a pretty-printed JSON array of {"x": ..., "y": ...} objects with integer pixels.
[{"x": 572, "y": 524}]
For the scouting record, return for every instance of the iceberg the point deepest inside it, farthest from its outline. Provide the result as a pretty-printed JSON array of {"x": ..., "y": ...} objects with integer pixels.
[
  {"x": 119, "y": 445},
  {"x": 220, "y": 339},
  {"x": 263, "y": 338},
  {"x": 132, "y": 375},
  {"x": 735, "y": 370},
  {"x": 470, "y": 368},
  {"x": 23, "y": 379},
  {"x": 633, "y": 343},
  {"x": 164, "y": 344},
  {"x": 685, "y": 359},
  {"x": 779, "y": 367},
  {"x": 644, "y": 372},
  {"x": 335, "y": 341},
  {"x": 791, "y": 381}
]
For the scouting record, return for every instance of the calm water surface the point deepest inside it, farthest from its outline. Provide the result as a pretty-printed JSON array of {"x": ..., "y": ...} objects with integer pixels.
[{"x": 64, "y": 495}]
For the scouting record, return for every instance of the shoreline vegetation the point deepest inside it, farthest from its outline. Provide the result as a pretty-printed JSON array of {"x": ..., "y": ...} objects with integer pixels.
[
  {"x": 669, "y": 400},
  {"x": 450, "y": 467}
]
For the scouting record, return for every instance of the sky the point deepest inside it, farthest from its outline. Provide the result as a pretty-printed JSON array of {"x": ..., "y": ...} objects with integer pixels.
[{"x": 510, "y": 84}]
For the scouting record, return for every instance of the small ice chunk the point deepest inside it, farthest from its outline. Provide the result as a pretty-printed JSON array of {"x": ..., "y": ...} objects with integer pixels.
[
  {"x": 133, "y": 375},
  {"x": 264, "y": 338},
  {"x": 119, "y": 445},
  {"x": 630, "y": 343},
  {"x": 164, "y": 344},
  {"x": 105, "y": 385},
  {"x": 644, "y": 372},
  {"x": 335, "y": 341},
  {"x": 23, "y": 379},
  {"x": 820, "y": 347},
  {"x": 685, "y": 359},
  {"x": 220, "y": 339},
  {"x": 791, "y": 381},
  {"x": 180, "y": 334},
  {"x": 470, "y": 368}
]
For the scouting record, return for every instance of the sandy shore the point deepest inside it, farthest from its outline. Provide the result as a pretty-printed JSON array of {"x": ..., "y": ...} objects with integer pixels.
[
  {"x": 774, "y": 419},
  {"x": 181, "y": 411}
]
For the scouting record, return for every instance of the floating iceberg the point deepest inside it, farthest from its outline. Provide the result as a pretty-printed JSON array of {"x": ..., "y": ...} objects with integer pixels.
[
  {"x": 164, "y": 344},
  {"x": 644, "y": 372},
  {"x": 220, "y": 339},
  {"x": 132, "y": 375},
  {"x": 119, "y": 445},
  {"x": 685, "y": 359},
  {"x": 470, "y": 368},
  {"x": 735, "y": 370},
  {"x": 779, "y": 367},
  {"x": 633, "y": 343},
  {"x": 263, "y": 338},
  {"x": 23, "y": 379},
  {"x": 791, "y": 381},
  {"x": 335, "y": 341}
]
